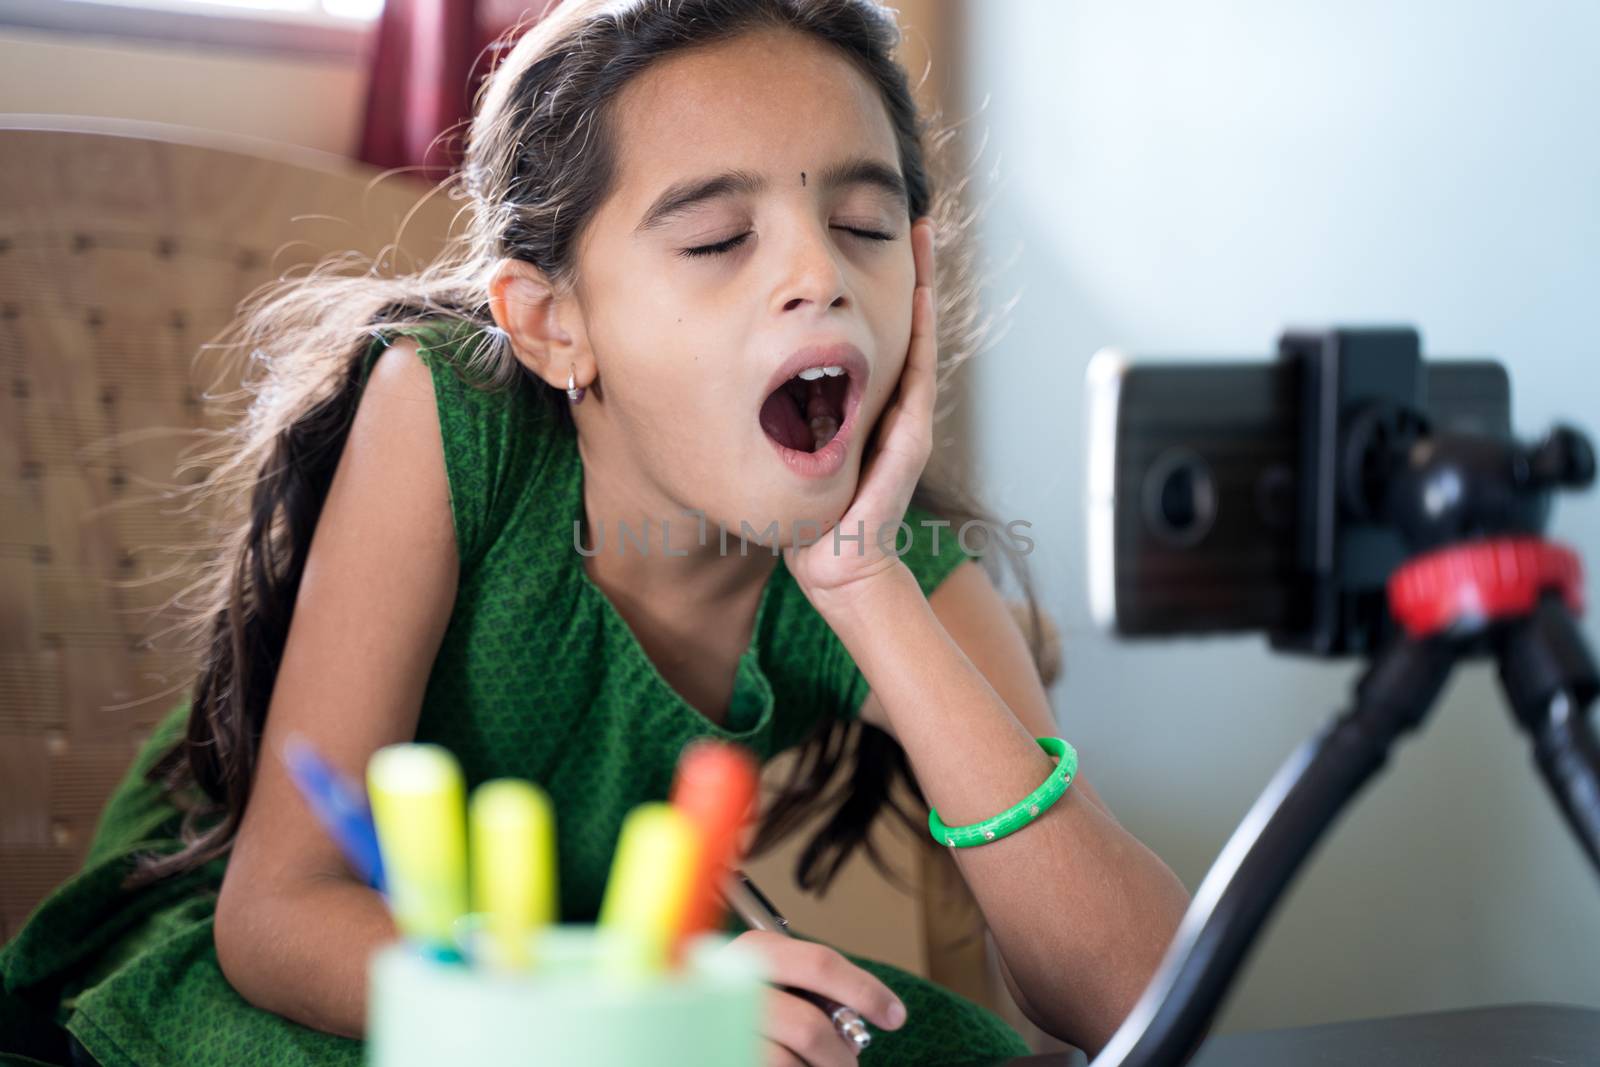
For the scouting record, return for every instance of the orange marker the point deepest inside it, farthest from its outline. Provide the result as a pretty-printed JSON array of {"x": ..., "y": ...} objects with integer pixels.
[{"x": 715, "y": 787}]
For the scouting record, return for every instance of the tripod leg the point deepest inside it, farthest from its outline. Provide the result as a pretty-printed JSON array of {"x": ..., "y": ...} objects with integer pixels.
[
  {"x": 1172, "y": 1016},
  {"x": 1550, "y": 679}
]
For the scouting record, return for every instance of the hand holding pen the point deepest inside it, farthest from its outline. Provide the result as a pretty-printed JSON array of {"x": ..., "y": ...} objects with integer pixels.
[{"x": 802, "y": 969}]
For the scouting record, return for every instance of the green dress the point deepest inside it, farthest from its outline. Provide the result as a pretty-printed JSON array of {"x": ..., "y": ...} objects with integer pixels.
[{"x": 538, "y": 677}]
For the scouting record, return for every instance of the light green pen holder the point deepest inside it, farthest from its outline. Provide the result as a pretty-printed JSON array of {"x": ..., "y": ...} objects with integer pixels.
[{"x": 564, "y": 1012}]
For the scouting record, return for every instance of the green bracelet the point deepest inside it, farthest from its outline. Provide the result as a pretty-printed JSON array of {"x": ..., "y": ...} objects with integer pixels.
[{"x": 1013, "y": 819}]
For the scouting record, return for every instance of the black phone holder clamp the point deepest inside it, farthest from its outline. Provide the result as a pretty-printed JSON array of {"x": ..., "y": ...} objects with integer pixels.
[{"x": 1476, "y": 577}]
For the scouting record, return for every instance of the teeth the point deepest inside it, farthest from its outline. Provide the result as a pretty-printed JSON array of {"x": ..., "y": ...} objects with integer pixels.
[{"x": 811, "y": 374}]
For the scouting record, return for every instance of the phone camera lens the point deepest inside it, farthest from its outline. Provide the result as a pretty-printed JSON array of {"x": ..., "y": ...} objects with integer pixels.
[{"x": 1180, "y": 497}]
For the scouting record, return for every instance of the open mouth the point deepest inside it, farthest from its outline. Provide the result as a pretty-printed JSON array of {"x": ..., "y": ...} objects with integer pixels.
[{"x": 806, "y": 412}]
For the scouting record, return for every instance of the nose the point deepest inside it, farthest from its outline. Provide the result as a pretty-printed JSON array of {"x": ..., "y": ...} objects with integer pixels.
[{"x": 814, "y": 277}]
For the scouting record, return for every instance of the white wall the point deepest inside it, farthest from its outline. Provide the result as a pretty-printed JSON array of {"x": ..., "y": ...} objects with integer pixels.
[{"x": 1189, "y": 178}]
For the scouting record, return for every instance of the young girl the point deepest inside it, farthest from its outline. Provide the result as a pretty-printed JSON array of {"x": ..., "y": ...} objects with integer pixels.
[{"x": 677, "y": 206}]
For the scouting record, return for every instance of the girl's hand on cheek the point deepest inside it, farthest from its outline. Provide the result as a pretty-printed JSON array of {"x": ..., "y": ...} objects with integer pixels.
[{"x": 895, "y": 460}]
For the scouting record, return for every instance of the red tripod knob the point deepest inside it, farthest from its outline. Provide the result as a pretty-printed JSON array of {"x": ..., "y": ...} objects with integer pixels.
[{"x": 1482, "y": 581}]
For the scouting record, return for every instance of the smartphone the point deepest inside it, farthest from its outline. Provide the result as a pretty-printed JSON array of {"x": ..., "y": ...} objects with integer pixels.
[{"x": 1199, "y": 474}]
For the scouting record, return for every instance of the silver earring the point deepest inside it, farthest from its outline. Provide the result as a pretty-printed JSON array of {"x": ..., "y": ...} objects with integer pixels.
[{"x": 574, "y": 390}]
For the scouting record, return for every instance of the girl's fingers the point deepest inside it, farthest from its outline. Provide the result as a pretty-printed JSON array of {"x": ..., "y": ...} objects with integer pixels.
[
  {"x": 903, "y": 437},
  {"x": 775, "y": 1055},
  {"x": 801, "y": 1029},
  {"x": 918, "y": 384},
  {"x": 914, "y": 394},
  {"x": 780, "y": 1056},
  {"x": 820, "y": 969}
]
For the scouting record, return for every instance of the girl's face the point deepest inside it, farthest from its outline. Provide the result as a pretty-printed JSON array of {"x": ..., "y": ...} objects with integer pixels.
[{"x": 693, "y": 313}]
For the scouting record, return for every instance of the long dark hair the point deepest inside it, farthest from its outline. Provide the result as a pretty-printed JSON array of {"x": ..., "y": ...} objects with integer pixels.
[{"x": 539, "y": 160}]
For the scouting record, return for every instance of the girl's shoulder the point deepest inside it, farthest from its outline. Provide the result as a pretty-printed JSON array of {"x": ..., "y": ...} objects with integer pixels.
[{"x": 501, "y": 435}]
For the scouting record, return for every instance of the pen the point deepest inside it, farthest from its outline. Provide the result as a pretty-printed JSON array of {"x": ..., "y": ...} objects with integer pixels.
[
  {"x": 757, "y": 911},
  {"x": 340, "y": 805}
]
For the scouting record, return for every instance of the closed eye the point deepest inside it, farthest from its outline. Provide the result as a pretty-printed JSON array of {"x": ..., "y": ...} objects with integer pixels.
[{"x": 734, "y": 242}]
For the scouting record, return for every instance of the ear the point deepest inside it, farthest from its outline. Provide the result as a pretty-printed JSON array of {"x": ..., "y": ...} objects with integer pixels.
[{"x": 526, "y": 306}]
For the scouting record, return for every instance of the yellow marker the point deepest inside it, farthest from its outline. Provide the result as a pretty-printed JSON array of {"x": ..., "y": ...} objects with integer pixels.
[
  {"x": 513, "y": 866},
  {"x": 647, "y": 892},
  {"x": 418, "y": 807}
]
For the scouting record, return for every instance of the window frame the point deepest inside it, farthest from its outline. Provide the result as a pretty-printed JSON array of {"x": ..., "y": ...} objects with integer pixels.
[{"x": 194, "y": 22}]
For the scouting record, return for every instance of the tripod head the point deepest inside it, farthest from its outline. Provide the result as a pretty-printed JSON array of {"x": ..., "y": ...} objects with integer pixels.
[
  {"x": 1443, "y": 489},
  {"x": 1380, "y": 484}
]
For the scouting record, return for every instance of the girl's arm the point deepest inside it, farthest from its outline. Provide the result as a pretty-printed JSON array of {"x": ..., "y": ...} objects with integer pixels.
[
  {"x": 1082, "y": 912},
  {"x": 293, "y": 927}
]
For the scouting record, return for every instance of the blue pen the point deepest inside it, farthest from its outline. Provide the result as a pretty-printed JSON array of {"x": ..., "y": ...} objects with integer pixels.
[{"x": 340, "y": 805}]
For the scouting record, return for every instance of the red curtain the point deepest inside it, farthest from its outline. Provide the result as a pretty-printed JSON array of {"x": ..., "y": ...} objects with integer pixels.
[{"x": 425, "y": 67}]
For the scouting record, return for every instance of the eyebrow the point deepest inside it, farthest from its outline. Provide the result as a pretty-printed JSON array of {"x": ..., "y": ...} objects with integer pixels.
[{"x": 681, "y": 196}]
